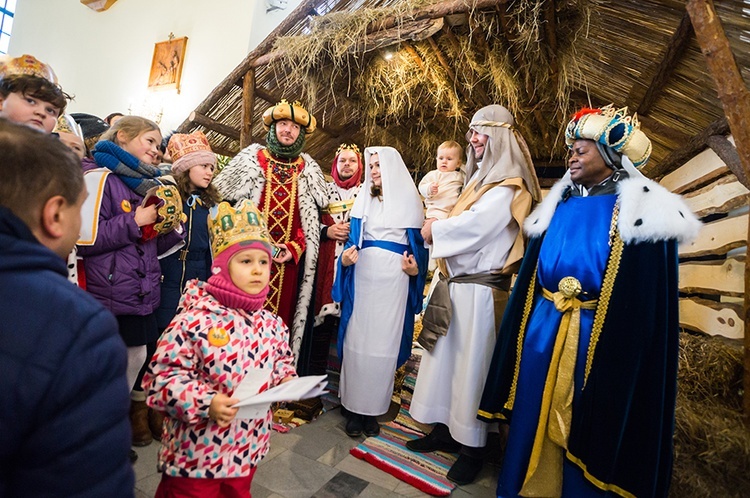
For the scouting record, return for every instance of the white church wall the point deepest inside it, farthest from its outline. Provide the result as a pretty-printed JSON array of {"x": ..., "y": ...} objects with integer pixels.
[{"x": 104, "y": 58}]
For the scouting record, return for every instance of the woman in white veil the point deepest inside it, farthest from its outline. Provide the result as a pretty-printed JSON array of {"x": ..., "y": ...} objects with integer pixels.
[{"x": 384, "y": 265}]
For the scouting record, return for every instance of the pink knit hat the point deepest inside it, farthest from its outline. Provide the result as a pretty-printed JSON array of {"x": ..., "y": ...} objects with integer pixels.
[{"x": 188, "y": 150}]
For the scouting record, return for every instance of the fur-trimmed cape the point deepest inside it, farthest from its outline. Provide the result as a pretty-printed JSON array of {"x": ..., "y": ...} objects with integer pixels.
[
  {"x": 648, "y": 212},
  {"x": 243, "y": 178},
  {"x": 623, "y": 418}
]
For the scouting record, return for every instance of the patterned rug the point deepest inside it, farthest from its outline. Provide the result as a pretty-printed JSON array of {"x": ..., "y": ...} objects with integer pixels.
[{"x": 388, "y": 452}]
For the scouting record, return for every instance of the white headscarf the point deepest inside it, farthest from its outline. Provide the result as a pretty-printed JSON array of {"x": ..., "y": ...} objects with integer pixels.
[
  {"x": 401, "y": 202},
  {"x": 506, "y": 154}
]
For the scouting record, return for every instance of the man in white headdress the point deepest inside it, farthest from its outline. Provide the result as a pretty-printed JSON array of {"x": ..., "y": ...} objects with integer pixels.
[{"x": 478, "y": 247}]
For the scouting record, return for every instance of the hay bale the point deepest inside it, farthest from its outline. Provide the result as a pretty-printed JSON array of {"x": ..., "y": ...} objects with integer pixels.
[
  {"x": 711, "y": 369},
  {"x": 712, "y": 445}
]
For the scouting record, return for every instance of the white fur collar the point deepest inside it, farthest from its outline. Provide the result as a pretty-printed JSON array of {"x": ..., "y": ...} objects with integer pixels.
[{"x": 648, "y": 212}]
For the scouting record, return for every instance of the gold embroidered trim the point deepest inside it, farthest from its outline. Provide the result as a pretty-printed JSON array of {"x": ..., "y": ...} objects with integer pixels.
[
  {"x": 610, "y": 274},
  {"x": 596, "y": 482},
  {"x": 519, "y": 345},
  {"x": 493, "y": 416},
  {"x": 274, "y": 295}
]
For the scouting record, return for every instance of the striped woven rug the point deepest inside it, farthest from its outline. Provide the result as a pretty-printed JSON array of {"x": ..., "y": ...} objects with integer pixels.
[{"x": 388, "y": 452}]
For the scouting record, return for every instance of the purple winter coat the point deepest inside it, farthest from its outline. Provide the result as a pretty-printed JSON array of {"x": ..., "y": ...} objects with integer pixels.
[{"x": 122, "y": 272}]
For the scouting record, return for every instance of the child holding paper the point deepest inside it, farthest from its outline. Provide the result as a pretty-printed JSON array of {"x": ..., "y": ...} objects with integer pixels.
[{"x": 220, "y": 335}]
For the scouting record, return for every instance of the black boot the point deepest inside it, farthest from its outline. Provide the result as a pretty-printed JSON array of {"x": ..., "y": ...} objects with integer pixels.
[
  {"x": 438, "y": 440},
  {"x": 466, "y": 469},
  {"x": 354, "y": 425},
  {"x": 372, "y": 428}
]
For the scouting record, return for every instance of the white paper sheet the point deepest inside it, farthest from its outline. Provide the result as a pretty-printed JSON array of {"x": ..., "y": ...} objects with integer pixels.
[{"x": 255, "y": 405}]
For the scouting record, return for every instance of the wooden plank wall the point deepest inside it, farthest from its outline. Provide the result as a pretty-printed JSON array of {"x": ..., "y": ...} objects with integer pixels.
[{"x": 712, "y": 267}]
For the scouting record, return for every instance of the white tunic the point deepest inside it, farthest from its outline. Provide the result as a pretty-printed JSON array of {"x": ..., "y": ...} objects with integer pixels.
[
  {"x": 451, "y": 377},
  {"x": 373, "y": 335}
]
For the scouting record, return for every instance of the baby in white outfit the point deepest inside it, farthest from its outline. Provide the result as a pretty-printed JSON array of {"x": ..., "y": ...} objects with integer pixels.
[{"x": 442, "y": 186}]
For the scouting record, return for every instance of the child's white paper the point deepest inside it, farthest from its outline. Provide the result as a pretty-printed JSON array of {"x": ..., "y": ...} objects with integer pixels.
[{"x": 255, "y": 405}]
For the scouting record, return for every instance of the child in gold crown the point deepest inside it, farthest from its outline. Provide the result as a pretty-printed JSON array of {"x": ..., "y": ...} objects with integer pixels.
[{"x": 220, "y": 334}]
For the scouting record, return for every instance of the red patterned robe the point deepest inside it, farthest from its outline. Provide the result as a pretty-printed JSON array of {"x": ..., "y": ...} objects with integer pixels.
[
  {"x": 290, "y": 196},
  {"x": 279, "y": 206}
]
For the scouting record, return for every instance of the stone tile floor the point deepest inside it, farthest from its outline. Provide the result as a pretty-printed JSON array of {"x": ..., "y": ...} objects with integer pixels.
[{"x": 313, "y": 460}]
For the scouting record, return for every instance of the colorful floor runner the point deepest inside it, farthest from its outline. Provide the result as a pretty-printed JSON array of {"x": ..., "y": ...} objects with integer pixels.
[{"x": 388, "y": 452}]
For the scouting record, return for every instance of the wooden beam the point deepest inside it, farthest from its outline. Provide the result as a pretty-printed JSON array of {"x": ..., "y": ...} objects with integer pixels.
[
  {"x": 449, "y": 71},
  {"x": 721, "y": 196},
  {"x": 735, "y": 99},
  {"x": 711, "y": 317},
  {"x": 224, "y": 152},
  {"x": 717, "y": 238},
  {"x": 212, "y": 125},
  {"x": 414, "y": 55},
  {"x": 412, "y": 31},
  {"x": 434, "y": 11},
  {"x": 297, "y": 15},
  {"x": 662, "y": 70},
  {"x": 728, "y": 153},
  {"x": 693, "y": 146},
  {"x": 725, "y": 277},
  {"x": 550, "y": 27},
  {"x": 700, "y": 170},
  {"x": 248, "y": 105}
]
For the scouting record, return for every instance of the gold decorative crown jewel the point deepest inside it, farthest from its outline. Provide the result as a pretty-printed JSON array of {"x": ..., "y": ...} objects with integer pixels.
[
  {"x": 229, "y": 225},
  {"x": 613, "y": 128},
  {"x": 66, "y": 124},
  {"x": 352, "y": 147},
  {"x": 294, "y": 111},
  {"x": 169, "y": 207},
  {"x": 27, "y": 64}
]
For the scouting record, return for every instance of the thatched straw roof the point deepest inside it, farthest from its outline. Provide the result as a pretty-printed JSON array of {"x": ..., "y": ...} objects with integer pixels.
[{"x": 410, "y": 73}]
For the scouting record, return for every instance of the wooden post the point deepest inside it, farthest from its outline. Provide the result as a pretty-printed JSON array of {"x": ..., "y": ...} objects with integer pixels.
[
  {"x": 248, "y": 104},
  {"x": 735, "y": 99}
]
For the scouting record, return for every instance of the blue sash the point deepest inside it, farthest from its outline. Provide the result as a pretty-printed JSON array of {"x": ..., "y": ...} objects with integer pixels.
[{"x": 387, "y": 245}]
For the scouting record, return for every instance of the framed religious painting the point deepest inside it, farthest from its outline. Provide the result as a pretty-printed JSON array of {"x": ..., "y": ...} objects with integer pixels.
[{"x": 166, "y": 66}]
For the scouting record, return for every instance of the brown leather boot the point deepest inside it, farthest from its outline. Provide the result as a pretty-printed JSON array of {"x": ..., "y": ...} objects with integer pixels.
[
  {"x": 155, "y": 423},
  {"x": 139, "y": 423}
]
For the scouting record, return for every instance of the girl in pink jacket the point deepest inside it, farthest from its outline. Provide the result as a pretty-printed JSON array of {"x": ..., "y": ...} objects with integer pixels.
[{"x": 219, "y": 335}]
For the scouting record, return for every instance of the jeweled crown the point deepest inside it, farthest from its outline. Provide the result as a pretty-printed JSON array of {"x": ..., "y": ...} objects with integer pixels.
[
  {"x": 613, "y": 128},
  {"x": 228, "y": 225},
  {"x": 351, "y": 147},
  {"x": 27, "y": 64}
]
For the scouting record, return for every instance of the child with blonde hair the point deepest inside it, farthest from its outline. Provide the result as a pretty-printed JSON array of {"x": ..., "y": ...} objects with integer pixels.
[{"x": 442, "y": 186}]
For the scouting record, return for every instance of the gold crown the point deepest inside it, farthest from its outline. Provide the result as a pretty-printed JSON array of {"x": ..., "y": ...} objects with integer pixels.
[
  {"x": 613, "y": 128},
  {"x": 352, "y": 147},
  {"x": 66, "y": 124},
  {"x": 229, "y": 225},
  {"x": 181, "y": 144},
  {"x": 27, "y": 64},
  {"x": 168, "y": 207},
  {"x": 293, "y": 111}
]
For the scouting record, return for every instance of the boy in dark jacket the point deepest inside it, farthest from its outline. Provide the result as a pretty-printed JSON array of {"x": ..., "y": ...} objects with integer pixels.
[{"x": 64, "y": 399}]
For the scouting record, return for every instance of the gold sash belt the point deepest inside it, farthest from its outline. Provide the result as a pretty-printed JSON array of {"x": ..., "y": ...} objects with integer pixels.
[{"x": 544, "y": 474}]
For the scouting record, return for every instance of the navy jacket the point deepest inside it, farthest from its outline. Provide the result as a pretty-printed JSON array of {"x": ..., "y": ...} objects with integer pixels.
[
  {"x": 64, "y": 400},
  {"x": 192, "y": 261}
]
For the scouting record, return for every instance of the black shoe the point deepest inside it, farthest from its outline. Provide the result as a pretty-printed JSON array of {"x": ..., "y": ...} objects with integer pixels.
[
  {"x": 354, "y": 425},
  {"x": 372, "y": 427},
  {"x": 465, "y": 470},
  {"x": 133, "y": 456},
  {"x": 432, "y": 443}
]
